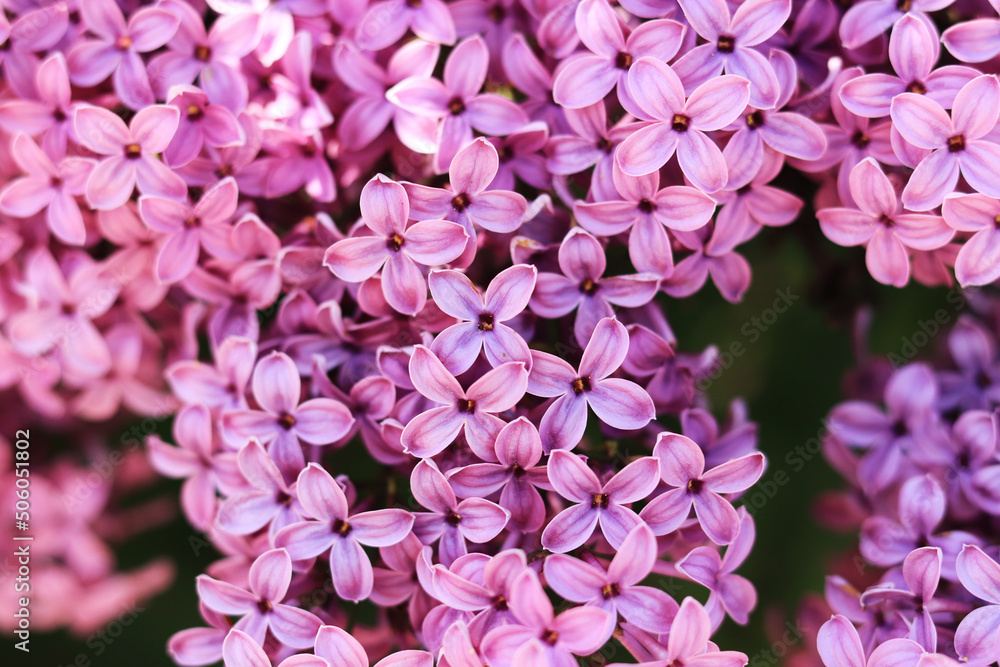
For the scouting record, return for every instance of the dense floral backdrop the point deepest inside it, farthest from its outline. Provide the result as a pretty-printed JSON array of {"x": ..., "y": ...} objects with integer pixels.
[{"x": 434, "y": 310}]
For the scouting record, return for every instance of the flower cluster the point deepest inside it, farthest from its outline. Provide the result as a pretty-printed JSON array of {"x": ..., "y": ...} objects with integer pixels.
[{"x": 925, "y": 494}]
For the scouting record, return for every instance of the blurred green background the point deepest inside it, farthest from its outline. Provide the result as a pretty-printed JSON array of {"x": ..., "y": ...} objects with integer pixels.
[{"x": 790, "y": 377}]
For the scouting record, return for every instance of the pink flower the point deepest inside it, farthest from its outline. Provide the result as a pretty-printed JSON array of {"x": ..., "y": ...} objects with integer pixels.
[
  {"x": 130, "y": 154},
  {"x": 978, "y": 261}
]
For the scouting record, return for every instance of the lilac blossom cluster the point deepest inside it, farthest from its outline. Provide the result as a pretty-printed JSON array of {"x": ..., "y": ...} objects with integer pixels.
[
  {"x": 920, "y": 450},
  {"x": 384, "y": 226}
]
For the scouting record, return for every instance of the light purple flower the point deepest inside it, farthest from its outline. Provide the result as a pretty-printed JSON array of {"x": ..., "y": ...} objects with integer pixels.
[
  {"x": 48, "y": 186},
  {"x": 646, "y": 209},
  {"x": 617, "y": 590},
  {"x": 582, "y": 286},
  {"x": 450, "y": 521},
  {"x": 977, "y": 639},
  {"x": 455, "y": 101},
  {"x": 592, "y": 144},
  {"x": 200, "y": 124},
  {"x": 597, "y": 503},
  {"x": 682, "y": 467},
  {"x": 882, "y": 225},
  {"x": 116, "y": 50},
  {"x": 517, "y": 476},
  {"x": 266, "y": 501},
  {"x": 339, "y": 649},
  {"x": 386, "y": 22},
  {"x": 261, "y": 608},
  {"x": 342, "y": 533},
  {"x": 395, "y": 247},
  {"x": 483, "y": 316},
  {"x": 731, "y": 43},
  {"x": 540, "y": 637},
  {"x": 869, "y": 19},
  {"x": 471, "y": 411},
  {"x": 129, "y": 154},
  {"x": 679, "y": 125},
  {"x": 239, "y": 650},
  {"x": 222, "y": 385},
  {"x": 482, "y": 585},
  {"x": 618, "y": 403},
  {"x": 956, "y": 143},
  {"x": 978, "y": 261},
  {"x": 282, "y": 420},
  {"x": 51, "y": 115},
  {"x": 586, "y": 79}
]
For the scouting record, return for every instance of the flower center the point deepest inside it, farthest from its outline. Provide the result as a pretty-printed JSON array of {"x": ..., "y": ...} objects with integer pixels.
[
  {"x": 755, "y": 120},
  {"x": 581, "y": 384},
  {"x": 680, "y": 123},
  {"x": 415, "y": 4},
  {"x": 916, "y": 87},
  {"x": 623, "y": 60},
  {"x": 133, "y": 151},
  {"x": 395, "y": 242},
  {"x": 886, "y": 220},
  {"x": 611, "y": 591},
  {"x": 225, "y": 170},
  {"x": 605, "y": 145},
  {"x": 589, "y": 287},
  {"x": 695, "y": 485},
  {"x": 550, "y": 637},
  {"x": 517, "y": 470},
  {"x": 203, "y": 53},
  {"x": 59, "y": 116},
  {"x": 646, "y": 206},
  {"x": 453, "y": 518},
  {"x": 485, "y": 322},
  {"x": 264, "y": 606},
  {"x": 286, "y": 421},
  {"x": 123, "y": 43},
  {"x": 860, "y": 139},
  {"x": 194, "y": 111},
  {"x": 500, "y": 603},
  {"x": 342, "y": 528},
  {"x": 904, "y": 5},
  {"x": 726, "y": 44},
  {"x": 460, "y": 202},
  {"x": 599, "y": 500},
  {"x": 497, "y": 13},
  {"x": 192, "y": 222},
  {"x": 466, "y": 406},
  {"x": 956, "y": 144},
  {"x": 456, "y": 106}
]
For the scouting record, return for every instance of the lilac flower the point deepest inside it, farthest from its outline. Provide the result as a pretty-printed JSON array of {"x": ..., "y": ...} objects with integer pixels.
[
  {"x": 839, "y": 646},
  {"x": 731, "y": 43},
  {"x": 261, "y": 608},
  {"x": 340, "y": 532},
  {"x": 51, "y": 116},
  {"x": 452, "y": 522},
  {"x": 370, "y": 112},
  {"x": 973, "y": 41},
  {"x": 456, "y": 101},
  {"x": 978, "y": 261},
  {"x": 386, "y": 22},
  {"x": 541, "y": 637},
  {"x": 882, "y": 225},
  {"x": 469, "y": 202},
  {"x": 220, "y": 386},
  {"x": 284, "y": 421},
  {"x": 597, "y": 503},
  {"x": 617, "y": 590},
  {"x": 483, "y": 316},
  {"x": 188, "y": 228},
  {"x": 386, "y": 210},
  {"x": 336, "y": 647},
  {"x": 977, "y": 640},
  {"x": 129, "y": 154},
  {"x": 582, "y": 261},
  {"x": 116, "y": 51},
  {"x": 682, "y": 466},
  {"x": 869, "y": 19},
  {"x": 618, "y": 403},
  {"x": 267, "y": 500},
  {"x": 49, "y": 187},
  {"x": 527, "y": 74},
  {"x": 592, "y": 144},
  {"x": 729, "y": 593},
  {"x": 956, "y": 143},
  {"x": 921, "y": 574},
  {"x": 519, "y": 156},
  {"x": 974, "y": 350},
  {"x": 519, "y": 449},
  {"x": 239, "y": 650},
  {"x": 913, "y": 52},
  {"x": 645, "y": 210},
  {"x": 472, "y": 412},
  {"x": 679, "y": 125},
  {"x": 66, "y": 307},
  {"x": 586, "y": 79},
  {"x": 196, "y": 460},
  {"x": 213, "y": 57},
  {"x": 200, "y": 123},
  {"x": 482, "y": 585}
]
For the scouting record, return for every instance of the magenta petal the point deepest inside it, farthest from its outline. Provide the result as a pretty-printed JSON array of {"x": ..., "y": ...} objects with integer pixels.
[
  {"x": 294, "y": 627},
  {"x": 621, "y": 404},
  {"x": 321, "y": 421},
  {"x": 573, "y": 579},
  {"x": 305, "y": 539},
  {"x": 570, "y": 529},
  {"x": 839, "y": 645},
  {"x": 571, "y": 478},
  {"x": 718, "y": 518},
  {"x": 381, "y": 528},
  {"x": 351, "y": 570},
  {"x": 320, "y": 494},
  {"x": 665, "y": 513},
  {"x": 584, "y": 630},
  {"x": 481, "y": 520},
  {"x": 224, "y": 597}
]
